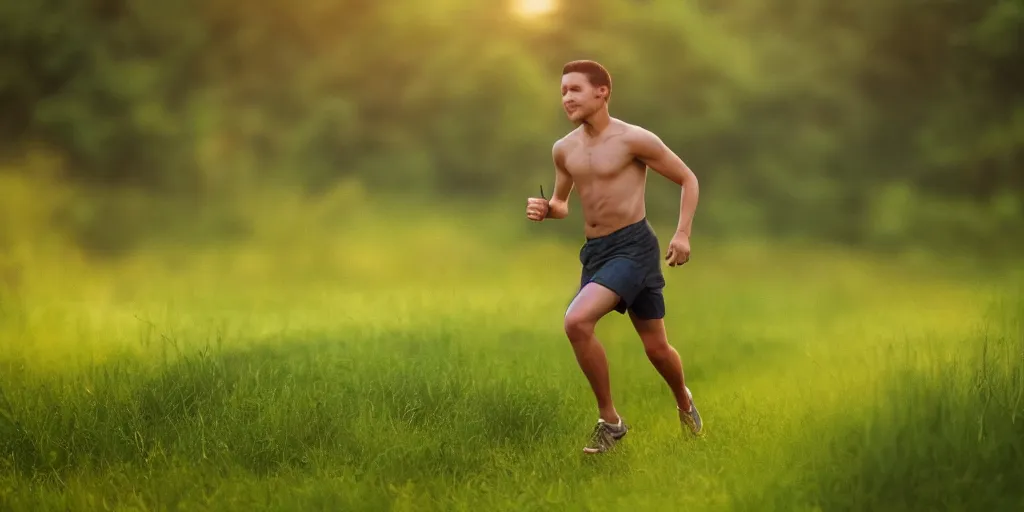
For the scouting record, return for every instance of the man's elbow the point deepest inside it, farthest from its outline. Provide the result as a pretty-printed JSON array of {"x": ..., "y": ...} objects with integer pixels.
[
  {"x": 677, "y": 172},
  {"x": 558, "y": 209},
  {"x": 688, "y": 179}
]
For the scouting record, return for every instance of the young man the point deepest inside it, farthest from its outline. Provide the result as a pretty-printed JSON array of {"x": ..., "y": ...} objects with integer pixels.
[{"x": 606, "y": 160}]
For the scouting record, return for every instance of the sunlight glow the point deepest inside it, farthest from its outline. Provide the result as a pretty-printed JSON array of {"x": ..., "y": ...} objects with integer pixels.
[{"x": 533, "y": 8}]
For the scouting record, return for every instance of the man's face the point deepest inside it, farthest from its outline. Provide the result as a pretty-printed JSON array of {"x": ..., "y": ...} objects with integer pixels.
[{"x": 579, "y": 98}]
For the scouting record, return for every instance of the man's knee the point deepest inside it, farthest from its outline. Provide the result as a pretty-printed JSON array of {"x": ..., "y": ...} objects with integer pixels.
[
  {"x": 652, "y": 334},
  {"x": 578, "y": 326},
  {"x": 657, "y": 349},
  {"x": 591, "y": 303}
]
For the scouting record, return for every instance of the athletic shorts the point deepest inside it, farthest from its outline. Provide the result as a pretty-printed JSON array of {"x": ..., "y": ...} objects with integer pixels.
[{"x": 628, "y": 262}]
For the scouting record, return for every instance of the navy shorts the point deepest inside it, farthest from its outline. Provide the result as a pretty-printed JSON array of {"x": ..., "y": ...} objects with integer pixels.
[{"x": 628, "y": 262}]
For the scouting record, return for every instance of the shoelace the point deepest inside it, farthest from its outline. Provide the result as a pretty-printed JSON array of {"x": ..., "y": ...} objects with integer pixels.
[{"x": 601, "y": 433}]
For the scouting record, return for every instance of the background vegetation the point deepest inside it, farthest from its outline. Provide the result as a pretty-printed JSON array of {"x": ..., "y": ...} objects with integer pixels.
[
  {"x": 273, "y": 255},
  {"x": 889, "y": 123}
]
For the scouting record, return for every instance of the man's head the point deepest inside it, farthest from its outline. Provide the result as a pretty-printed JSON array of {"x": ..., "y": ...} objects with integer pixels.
[{"x": 586, "y": 86}]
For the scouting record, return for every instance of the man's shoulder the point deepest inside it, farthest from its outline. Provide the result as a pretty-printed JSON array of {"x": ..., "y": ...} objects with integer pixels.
[
  {"x": 569, "y": 137},
  {"x": 639, "y": 140},
  {"x": 636, "y": 133},
  {"x": 564, "y": 142}
]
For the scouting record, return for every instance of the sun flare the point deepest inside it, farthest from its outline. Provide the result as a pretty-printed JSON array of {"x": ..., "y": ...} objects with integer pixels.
[{"x": 533, "y": 8}]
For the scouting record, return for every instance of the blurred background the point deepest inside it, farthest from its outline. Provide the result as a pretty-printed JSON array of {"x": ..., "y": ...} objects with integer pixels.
[
  {"x": 889, "y": 125},
  {"x": 339, "y": 187}
]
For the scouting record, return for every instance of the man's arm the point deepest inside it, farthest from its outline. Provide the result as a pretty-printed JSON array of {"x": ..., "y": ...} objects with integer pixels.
[
  {"x": 558, "y": 205},
  {"x": 648, "y": 148},
  {"x": 537, "y": 208}
]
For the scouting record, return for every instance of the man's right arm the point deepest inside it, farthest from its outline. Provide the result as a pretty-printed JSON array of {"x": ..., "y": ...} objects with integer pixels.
[{"x": 558, "y": 205}]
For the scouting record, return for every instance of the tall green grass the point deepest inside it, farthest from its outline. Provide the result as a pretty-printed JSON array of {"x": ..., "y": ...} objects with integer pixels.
[{"x": 399, "y": 364}]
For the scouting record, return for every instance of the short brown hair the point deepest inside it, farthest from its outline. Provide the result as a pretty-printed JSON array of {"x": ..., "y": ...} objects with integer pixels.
[{"x": 596, "y": 74}]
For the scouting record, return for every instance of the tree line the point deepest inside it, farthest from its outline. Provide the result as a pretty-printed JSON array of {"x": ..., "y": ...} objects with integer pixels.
[{"x": 878, "y": 121}]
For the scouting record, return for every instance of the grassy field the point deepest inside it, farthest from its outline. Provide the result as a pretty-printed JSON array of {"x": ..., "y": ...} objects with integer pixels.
[{"x": 398, "y": 366}]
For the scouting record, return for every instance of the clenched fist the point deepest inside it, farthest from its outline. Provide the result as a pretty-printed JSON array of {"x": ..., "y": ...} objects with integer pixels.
[
  {"x": 678, "y": 250},
  {"x": 537, "y": 209}
]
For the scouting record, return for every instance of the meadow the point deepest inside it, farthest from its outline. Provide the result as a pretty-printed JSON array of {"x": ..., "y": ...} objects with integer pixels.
[{"x": 347, "y": 358}]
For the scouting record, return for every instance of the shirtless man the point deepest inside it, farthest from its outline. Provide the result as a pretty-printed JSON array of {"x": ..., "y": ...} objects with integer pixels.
[{"x": 607, "y": 160}]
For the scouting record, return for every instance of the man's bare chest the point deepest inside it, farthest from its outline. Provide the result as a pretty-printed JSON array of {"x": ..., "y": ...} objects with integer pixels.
[{"x": 598, "y": 162}]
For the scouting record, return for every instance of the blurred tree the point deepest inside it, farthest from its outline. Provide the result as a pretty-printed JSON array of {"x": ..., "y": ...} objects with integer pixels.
[{"x": 807, "y": 117}]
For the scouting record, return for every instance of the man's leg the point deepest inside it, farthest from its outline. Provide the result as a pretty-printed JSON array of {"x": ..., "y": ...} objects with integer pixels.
[
  {"x": 593, "y": 302},
  {"x": 663, "y": 356},
  {"x": 647, "y": 316}
]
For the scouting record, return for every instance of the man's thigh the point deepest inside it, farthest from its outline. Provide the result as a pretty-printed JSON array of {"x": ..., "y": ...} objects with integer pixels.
[{"x": 592, "y": 302}]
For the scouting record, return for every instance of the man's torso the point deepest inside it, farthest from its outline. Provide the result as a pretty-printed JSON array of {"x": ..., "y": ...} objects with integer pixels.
[{"x": 609, "y": 179}]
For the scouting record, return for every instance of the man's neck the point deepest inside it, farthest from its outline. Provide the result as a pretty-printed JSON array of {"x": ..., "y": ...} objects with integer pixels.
[{"x": 595, "y": 124}]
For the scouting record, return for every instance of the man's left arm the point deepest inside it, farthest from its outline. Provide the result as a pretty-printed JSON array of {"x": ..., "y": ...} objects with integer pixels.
[{"x": 649, "y": 149}]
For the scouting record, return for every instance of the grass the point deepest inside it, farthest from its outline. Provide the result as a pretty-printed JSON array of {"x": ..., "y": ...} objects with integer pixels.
[{"x": 374, "y": 366}]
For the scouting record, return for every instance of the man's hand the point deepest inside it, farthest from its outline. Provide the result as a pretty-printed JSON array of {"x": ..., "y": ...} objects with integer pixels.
[
  {"x": 537, "y": 209},
  {"x": 678, "y": 250}
]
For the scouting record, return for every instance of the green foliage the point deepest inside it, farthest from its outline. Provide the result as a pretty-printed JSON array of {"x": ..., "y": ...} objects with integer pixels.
[
  {"x": 370, "y": 366},
  {"x": 801, "y": 113}
]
